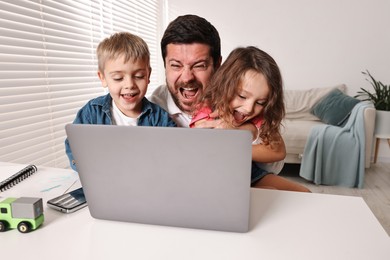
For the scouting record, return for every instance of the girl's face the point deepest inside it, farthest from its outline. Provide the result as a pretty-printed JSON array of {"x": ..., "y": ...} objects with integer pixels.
[
  {"x": 127, "y": 83},
  {"x": 250, "y": 99}
]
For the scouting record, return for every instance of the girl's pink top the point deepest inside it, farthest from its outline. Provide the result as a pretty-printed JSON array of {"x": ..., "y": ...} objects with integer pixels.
[{"x": 204, "y": 113}]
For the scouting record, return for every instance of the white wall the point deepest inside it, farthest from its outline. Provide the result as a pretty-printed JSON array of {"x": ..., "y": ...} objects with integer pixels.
[{"x": 317, "y": 43}]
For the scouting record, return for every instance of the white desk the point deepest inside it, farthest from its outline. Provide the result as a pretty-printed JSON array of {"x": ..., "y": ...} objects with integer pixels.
[{"x": 284, "y": 225}]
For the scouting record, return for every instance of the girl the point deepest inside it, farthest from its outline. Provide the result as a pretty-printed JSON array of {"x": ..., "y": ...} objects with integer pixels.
[{"x": 247, "y": 91}]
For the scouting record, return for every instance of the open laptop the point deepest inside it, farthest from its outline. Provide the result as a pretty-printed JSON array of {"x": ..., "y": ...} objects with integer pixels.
[{"x": 194, "y": 178}]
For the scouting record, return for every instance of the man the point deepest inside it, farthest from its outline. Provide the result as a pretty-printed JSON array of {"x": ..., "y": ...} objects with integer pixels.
[{"x": 191, "y": 50}]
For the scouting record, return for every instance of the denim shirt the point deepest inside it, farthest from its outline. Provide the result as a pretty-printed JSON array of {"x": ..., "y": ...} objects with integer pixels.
[{"x": 98, "y": 111}]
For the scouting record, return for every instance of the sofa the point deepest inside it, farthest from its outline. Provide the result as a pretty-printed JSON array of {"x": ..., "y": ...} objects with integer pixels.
[{"x": 300, "y": 119}]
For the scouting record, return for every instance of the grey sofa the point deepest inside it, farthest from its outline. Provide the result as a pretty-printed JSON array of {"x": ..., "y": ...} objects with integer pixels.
[{"x": 299, "y": 120}]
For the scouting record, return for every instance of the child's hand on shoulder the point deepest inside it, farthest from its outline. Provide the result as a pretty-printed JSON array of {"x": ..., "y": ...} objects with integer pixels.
[{"x": 207, "y": 123}]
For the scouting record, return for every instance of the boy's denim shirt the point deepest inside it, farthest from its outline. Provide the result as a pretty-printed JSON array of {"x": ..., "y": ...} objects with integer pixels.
[{"x": 98, "y": 111}]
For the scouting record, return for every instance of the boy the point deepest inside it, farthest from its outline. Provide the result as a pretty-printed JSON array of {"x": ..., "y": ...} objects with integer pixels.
[{"x": 123, "y": 68}]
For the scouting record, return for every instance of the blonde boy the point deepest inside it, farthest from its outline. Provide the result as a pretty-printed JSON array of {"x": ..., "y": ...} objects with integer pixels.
[{"x": 124, "y": 69}]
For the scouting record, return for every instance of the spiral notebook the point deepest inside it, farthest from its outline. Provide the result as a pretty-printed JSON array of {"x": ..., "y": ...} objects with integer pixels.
[{"x": 18, "y": 177}]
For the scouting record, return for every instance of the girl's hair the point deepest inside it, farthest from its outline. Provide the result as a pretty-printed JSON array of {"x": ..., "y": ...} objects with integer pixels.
[
  {"x": 225, "y": 84},
  {"x": 132, "y": 46}
]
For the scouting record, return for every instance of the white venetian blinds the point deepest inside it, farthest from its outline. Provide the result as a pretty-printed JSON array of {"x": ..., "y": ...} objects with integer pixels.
[{"x": 48, "y": 68}]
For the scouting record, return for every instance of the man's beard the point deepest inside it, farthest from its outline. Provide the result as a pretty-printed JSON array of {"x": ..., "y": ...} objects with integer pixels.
[{"x": 180, "y": 103}]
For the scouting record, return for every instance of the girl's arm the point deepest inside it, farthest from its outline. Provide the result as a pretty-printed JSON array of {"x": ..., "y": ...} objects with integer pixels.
[
  {"x": 266, "y": 154},
  {"x": 213, "y": 121},
  {"x": 218, "y": 123},
  {"x": 260, "y": 152}
]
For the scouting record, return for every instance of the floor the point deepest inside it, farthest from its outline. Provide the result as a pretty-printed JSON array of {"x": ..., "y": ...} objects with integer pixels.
[{"x": 376, "y": 191}]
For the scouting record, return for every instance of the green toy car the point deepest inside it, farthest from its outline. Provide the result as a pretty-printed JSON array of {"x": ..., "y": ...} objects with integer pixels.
[{"x": 25, "y": 214}]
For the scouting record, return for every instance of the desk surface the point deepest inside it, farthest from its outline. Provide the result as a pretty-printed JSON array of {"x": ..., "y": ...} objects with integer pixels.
[{"x": 283, "y": 225}]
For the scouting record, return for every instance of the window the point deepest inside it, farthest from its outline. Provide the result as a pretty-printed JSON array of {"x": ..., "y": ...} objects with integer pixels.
[{"x": 48, "y": 68}]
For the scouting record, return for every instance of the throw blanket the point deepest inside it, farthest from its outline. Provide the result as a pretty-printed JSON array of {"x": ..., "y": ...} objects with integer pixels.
[{"x": 335, "y": 155}]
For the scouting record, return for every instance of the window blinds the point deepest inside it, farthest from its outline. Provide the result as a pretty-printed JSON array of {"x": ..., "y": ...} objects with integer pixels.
[{"x": 48, "y": 68}]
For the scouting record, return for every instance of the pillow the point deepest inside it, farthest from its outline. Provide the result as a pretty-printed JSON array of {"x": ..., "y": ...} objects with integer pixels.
[
  {"x": 299, "y": 102},
  {"x": 334, "y": 108}
]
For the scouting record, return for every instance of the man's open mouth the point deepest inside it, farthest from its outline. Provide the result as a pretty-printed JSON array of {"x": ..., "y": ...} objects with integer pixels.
[{"x": 188, "y": 92}]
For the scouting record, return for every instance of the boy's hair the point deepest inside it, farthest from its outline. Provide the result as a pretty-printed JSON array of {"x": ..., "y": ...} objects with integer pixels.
[
  {"x": 225, "y": 83},
  {"x": 122, "y": 43},
  {"x": 189, "y": 29}
]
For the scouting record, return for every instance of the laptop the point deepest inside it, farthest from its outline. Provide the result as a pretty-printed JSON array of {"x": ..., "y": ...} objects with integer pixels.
[{"x": 192, "y": 178}]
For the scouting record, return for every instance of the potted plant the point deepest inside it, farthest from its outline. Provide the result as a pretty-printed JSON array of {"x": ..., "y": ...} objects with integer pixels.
[{"x": 380, "y": 97}]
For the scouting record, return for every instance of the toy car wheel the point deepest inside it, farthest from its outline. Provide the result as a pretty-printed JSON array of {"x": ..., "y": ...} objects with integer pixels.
[
  {"x": 3, "y": 226},
  {"x": 24, "y": 227}
]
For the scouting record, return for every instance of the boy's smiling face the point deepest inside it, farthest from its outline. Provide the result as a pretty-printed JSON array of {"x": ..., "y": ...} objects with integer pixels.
[{"x": 127, "y": 83}]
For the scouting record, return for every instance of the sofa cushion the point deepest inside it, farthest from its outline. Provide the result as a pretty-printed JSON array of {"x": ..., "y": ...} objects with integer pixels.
[
  {"x": 334, "y": 108},
  {"x": 295, "y": 133},
  {"x": 299, "y": 103}
]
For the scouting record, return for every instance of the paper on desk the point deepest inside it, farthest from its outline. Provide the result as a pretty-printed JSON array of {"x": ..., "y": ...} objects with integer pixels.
[{"x": 46, "y": 182}]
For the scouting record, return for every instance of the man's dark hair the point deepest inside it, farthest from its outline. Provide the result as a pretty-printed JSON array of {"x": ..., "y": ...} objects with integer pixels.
[{"x": 192, "y": 29}]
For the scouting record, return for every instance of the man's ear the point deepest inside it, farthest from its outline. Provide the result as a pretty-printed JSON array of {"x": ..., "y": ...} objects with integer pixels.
[
  {"x": 219, "y": 62},
  {"x": 102, "y": 78},
  {"x": 150, "y": 73}
]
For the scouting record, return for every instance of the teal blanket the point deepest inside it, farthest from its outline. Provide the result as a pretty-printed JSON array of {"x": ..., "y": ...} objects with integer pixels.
[{"x": 335, "y": 155}]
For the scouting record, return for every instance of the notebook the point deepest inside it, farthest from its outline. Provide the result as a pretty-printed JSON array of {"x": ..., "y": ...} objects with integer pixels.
[
  {"x": 17, "y": 177},
  {"x": 193, "y": 178}
]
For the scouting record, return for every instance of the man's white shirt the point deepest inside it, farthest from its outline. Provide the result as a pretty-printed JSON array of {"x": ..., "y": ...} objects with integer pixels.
[{"x": 162, "y": 97}]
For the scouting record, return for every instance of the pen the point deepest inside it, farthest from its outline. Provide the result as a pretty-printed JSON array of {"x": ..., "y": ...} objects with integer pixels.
[
  {"x": 49, "y": 189},
  {"x": 70, "y": 187}
]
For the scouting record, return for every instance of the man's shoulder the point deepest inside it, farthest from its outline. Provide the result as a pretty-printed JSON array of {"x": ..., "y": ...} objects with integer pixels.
[
  {"x": 155, "y": 108},
  {"x": 154, "y": 115},
  {"x": 160, "y": 96}
]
